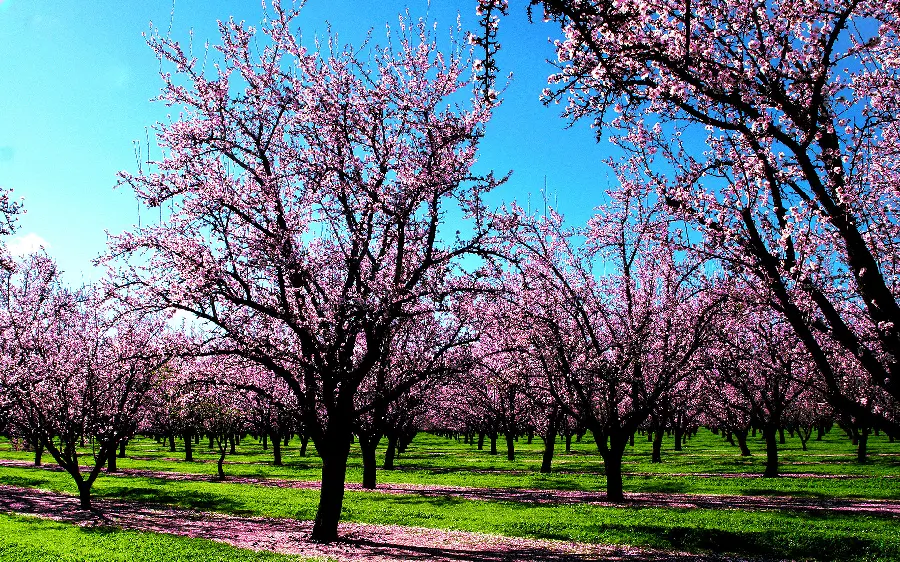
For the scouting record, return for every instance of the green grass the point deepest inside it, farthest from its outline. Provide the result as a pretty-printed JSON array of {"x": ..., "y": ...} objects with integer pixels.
[
  {"x": 767, "y": 533},
  {"x": 435, "y": 460},
  {"x": 28, "y": 539}
]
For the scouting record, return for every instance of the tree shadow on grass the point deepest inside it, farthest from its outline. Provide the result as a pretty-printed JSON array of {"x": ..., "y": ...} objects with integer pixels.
[{"x": 191, "y": 499}]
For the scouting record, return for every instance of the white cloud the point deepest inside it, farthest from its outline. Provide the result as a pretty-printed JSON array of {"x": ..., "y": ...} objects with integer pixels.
[{"x": 26, "y": 244}]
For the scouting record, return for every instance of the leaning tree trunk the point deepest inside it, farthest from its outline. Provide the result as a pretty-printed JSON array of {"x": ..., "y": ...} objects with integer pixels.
[
  {"x": 304, "y": 441},
  {"x": 741, "y": 435},
  {"x": 334, "y": 451},
  {"x": 550, "y": 441}
]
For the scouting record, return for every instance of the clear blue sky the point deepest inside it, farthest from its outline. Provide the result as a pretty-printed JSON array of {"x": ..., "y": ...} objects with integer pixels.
[{"x": 77, "y": 79}]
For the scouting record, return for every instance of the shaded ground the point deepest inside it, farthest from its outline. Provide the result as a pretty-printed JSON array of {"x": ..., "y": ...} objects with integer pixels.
[
  {"x": 882, "y": 508},
  {"x": 379, "y": 543}
]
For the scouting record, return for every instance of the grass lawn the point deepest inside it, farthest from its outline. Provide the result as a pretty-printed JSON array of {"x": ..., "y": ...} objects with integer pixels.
[
  {"x": 435, "y": 460},
  {"x": 29, "y": 539},
  {"x": 770, "y": 533}
]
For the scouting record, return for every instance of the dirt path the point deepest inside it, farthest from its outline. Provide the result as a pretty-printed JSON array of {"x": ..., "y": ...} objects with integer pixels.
[
  {"x": 377, "y": 543},
  {"x": 882, "y": 508}
]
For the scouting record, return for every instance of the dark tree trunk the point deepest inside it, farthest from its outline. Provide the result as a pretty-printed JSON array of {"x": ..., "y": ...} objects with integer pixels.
[
  {"x": 172, "y": 443},
  {"x": 510, "y": 447},
  {"x": 276, "y": 449},
  {"x": 38, "y": 453},
  {"x": 612, "y": 464},
  {"x": 331, "y": 497},
  {"x": 493, "y": 443},
  {"x": 111, "y": 463},
  {"x": 122, "y": 446},
  {"x": 679, "y": 434},
  {"x": 656, "y": 455},
  {"x": 568, "y": 442},
  {"x": 481, "y": 441},
  {"x": 221, "y": 469},
  {"x": 211, "y": 442},
  {"x": 304, "y": 441},
  {"x": 368, "y": 447},
  {"x": 741, "y": 435},
  {"x": 391, "y": 451},
  {"x": 232, "y": 441},
  {"x": 188, "y": 448},
  {"x": 265, "y": 441},
  {"x": 861, "y": 445},
  {"x": 84, "y": 494},
  {"x": 287, "y": 439},
  {"x": 781, "y": 436},
  {"x": 770, "y": 433},
  {"x": 631, "y": 440}
]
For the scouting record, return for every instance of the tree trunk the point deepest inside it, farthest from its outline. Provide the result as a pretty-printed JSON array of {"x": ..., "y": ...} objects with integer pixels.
[
  {"x": 510, "y": 447},
  {"x": 389, "y": 454},
  {"x": 221, "y": 461},
  {"x": 122, "y": 446},
  {"x": 232, "y": 443},
  {"x": 781, "y": 435},
  {"x": 304, "y": 441},
  {"x": 568, "y": 442},
  {"x": 679, "y": 434},
  {"x": 493, "y": 444},
  {"x": 111, "y": 462},
  {"x": 331, "y": 497},
  {"x": 742, "y": 442},
  {"x": 84, "y": 494},
  {"x": 172, "y": 443},
  {"x": 265, "y": 441},
  {"x": 656, "y": 455},
  {"x": 188, "y": 448},
  {"x": 38, "y": 453},
  {"x": 368, "y": 447},
  {"x": 481, "y": 441},
  {"x": 276, "y": 449},
  {"x": 612, "y": 464},
  {"x": 770, "y": 433},
  {"x": 861, "y": 445}
]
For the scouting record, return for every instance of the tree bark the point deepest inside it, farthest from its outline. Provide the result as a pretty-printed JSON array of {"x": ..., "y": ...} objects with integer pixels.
[
  {"x": 368, "y": 447},
  {"x": 304, "y": 441},
  {"x": 38, "y": 452},
  {"x": 770, "y": 433},
  {"x": 265, "y": 441},
  {"x": 390, "y": 453},
  {"x": 481, "y": 441},
  {"x": 84, "y": 494},
  {"x": 276, "y": 449},
  {"x": 493, "y": 443},
  {"x": 171, "y": 442},
  {"x": 331, "y": 497},
  {"x": 741, "y": 435},
  {"x": 188, "y": 448},
  {"x": 219, "y": 466},
  {"x": 122, "y": 446},
  {"x": 656, "y": 455},
  {"x": 510, "y": 447},
  {"x": 861, "y": 445}
]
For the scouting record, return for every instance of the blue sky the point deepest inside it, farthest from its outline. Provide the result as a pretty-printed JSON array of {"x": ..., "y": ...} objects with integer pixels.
[{"x": 77, "y": 80}]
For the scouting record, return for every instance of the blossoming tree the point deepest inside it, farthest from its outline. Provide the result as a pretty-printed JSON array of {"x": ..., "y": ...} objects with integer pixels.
[{"x": 307, "y": 194}]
